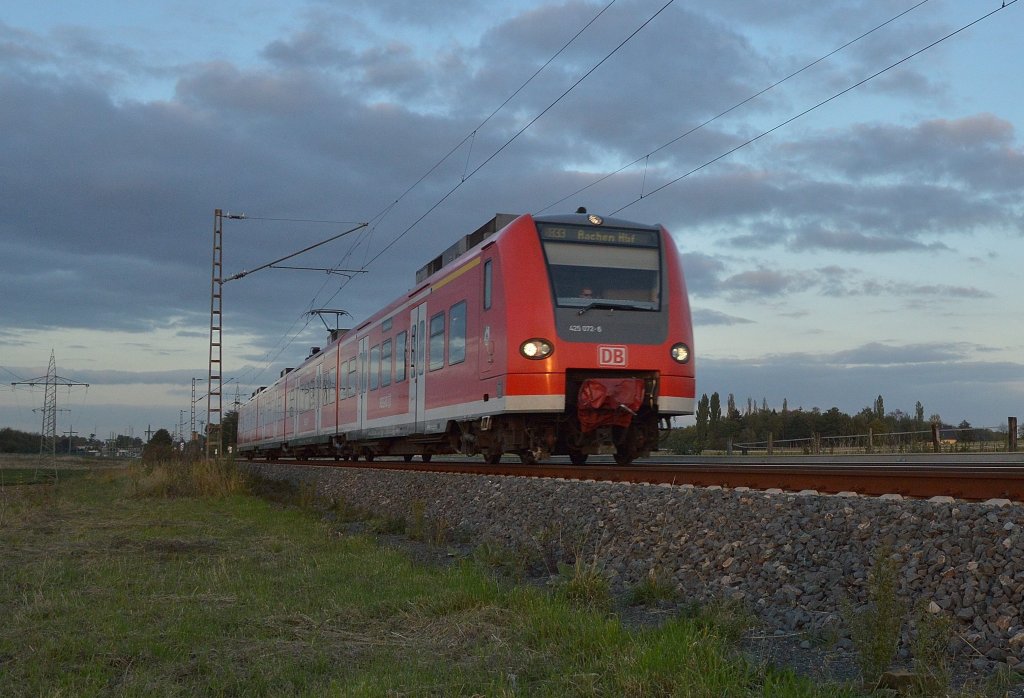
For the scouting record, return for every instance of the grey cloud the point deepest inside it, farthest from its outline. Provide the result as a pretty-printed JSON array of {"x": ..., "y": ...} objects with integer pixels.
[
  {"x": 708, "y": 317},
  {"x": 763, "y": 283}
]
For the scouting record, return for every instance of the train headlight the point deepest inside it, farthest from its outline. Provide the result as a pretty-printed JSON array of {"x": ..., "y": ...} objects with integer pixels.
[
  {"x": 536, "y": 348},
  {"x": 680, "y": 353}
]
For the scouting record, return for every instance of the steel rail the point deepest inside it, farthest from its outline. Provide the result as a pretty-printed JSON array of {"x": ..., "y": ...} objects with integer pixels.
[{"x": 978, "y": 481}]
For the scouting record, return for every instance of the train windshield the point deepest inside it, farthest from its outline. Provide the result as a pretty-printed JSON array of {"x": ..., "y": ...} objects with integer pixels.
[{"x": 591, "y": 268}]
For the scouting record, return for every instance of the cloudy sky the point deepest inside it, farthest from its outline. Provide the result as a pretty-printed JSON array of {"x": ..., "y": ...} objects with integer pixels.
[{"x": 871, "y": 245}]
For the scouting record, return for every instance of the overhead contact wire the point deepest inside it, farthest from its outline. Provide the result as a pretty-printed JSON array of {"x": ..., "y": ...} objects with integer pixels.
[
  {"x": 734, "y": 107},
  {"x": 816, "y": 106},
  {"x": 519, "y": 133}
]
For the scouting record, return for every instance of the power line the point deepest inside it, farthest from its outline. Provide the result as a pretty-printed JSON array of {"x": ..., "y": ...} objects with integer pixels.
[
  {"x": 7, "y": 370},
  {"x": 734, "y": 107},
  {"x": 244, "y": 273},
  {"x": 823, "y": 102},
  {"x": 472, "y": 134},
  {"x": 519, "y": 133},
  {"x": 379, "y": 217}
]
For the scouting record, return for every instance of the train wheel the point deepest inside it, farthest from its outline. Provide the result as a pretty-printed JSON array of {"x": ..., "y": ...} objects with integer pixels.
[
  {"x": 526, "y": 457},
  {"x": 624, "y": 455},
  {"x": 492, "y": 457},
  {"x": 426, "y": 457},
  {"x": 407, "y": 458},
  {"x": 577, "y": 457}
]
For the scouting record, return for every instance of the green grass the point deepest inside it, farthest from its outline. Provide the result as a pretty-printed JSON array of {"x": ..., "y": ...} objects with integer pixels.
[{"x": 106, "y": 592}]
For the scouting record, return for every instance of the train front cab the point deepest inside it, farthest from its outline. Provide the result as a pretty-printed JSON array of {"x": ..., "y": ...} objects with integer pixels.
[{"x": 602, "y": 351}]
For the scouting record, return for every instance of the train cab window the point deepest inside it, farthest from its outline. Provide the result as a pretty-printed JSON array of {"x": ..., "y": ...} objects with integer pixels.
[
  {"x": 606, "y": 275},
  {"x": 437, "y": 342},
  {"x": 457, "y": 333},
  {"x": 400, "y": 361},
  {"x": 374, "y": 366},
  {"x": 385, "y": 364},
  {"x": 488, "y": 281}
]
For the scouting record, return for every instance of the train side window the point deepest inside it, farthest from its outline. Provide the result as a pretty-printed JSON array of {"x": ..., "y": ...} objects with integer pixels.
[
  {"x": 374, "y": 365},
  {"x": 488, "y": 277},
  {"x": 352, "y": 377},
  {"x": 421, "y": 346},
  {"x": 330, "y": 386},
  {"x": 400, "y": 360},
  {"x": 385, "y": 364},
  {"x": 457, "y": 333},
  {"x": 437, "y": 342}
]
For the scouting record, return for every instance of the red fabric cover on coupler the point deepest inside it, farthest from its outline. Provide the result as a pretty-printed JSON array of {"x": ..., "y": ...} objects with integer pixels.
[{"x": 602, "y": 401}]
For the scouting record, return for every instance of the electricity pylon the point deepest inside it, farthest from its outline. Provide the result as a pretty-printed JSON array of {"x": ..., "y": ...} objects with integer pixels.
[{"x": 48, "y": 442}]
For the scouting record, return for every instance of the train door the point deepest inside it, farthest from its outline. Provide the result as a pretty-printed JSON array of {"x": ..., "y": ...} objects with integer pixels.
[
  {"x": 417, "y": 387},
  {"x": 318, "y": 400},
  {"x": 487, "y": 323},
  {"x": 361, "y": 371}
]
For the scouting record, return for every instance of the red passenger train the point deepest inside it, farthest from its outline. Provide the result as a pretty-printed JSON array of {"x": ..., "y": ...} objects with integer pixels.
[{"x": 535, "y": 336}]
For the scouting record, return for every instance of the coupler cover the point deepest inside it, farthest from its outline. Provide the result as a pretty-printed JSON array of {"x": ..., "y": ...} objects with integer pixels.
[{"x": 609, "y": 401}]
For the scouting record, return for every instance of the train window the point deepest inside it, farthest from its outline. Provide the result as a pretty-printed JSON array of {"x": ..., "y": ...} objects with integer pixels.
[
  {"x": 374, "y": 366},
  {"x": 400, "y": 340},
  {"x": 330, "y": 386},
  {"x": 611, "y": 275},
  {"x": 457, "y": 334},
  {"x": 488, "y": 280},
  {"x": 437, "y": 342},
  {"x": 351, "y": 377},
  {"x": 385, "y": 364}
]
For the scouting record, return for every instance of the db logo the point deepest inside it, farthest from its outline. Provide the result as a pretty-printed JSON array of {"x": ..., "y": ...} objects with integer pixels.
[{"x": 611, "y": 355}]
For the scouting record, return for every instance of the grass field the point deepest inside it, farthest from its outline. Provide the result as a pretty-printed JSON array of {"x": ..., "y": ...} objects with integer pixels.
[{"x": 108, "y": 589}]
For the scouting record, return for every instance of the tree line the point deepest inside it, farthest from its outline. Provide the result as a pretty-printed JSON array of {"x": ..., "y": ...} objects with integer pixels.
[
  {"x": 717, "y": 425},
  {"x": 17, "y": 441}
]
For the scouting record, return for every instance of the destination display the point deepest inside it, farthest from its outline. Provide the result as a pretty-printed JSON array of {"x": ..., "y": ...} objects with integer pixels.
[{"x": 601, "y": 236}]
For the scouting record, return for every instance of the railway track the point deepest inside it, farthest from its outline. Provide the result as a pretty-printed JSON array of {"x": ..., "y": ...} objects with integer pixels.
[{"x": 971, "y": 477}]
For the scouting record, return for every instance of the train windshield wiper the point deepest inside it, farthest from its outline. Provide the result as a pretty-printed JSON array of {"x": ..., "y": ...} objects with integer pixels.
[{"x": 611, "y": 305}]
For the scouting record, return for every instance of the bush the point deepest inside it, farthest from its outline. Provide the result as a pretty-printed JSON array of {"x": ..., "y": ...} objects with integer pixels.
[{"x": 205, "y": 478}]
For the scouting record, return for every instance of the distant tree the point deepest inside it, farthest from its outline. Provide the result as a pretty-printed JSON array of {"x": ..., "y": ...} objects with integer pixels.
[
  {"x": 715, "y": 410},
  {"x": 682, "y": 441},
  {"x": 229, "y": 431},
  {"x": 15, "y": 441},
  {"x": 785, "y": 405},
  {"x": 731, "y": 412},
  {"x": 964, "y": 433},
  {"x": 703, "y": 417},
  {"x": 159, "y": 448},
  {"x": 919, "y": 413},
  {"x": 879, "y": 407}
]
